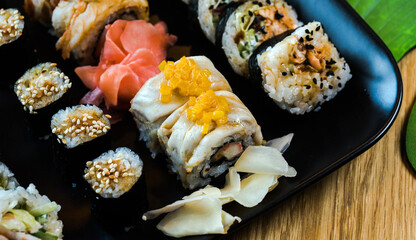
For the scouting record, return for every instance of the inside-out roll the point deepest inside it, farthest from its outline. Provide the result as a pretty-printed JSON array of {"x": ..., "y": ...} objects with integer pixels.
[
  {"x": 252, "y": 23},
  {"x": 205, "y": 136},
  {"x": 209, "y": 14},
  {"x": 149, "y": 111},
  {"x": 7, "y": 179},
  {"x": 41, "y": 10},
  {"x": 11, "y": 25},
  {"x": 301, "y": 71},
  {"x": 25, "y": 214},
  {"x": 79, "y": 24}
]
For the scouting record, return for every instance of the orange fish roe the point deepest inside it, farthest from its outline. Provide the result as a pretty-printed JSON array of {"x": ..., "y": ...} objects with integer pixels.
[
  {"x": 208, "y": 108},
  {"x": 184, "y": 77}
]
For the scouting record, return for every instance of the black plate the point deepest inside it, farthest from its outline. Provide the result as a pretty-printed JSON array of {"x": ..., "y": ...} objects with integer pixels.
[{"x": 325, "y": 140}]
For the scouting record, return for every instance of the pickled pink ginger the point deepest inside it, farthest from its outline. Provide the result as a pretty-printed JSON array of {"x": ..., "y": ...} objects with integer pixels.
[{"x": 131, "y": 52}]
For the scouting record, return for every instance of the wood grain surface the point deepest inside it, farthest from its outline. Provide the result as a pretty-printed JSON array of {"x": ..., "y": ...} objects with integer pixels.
[{"x": 371, "y": 197}]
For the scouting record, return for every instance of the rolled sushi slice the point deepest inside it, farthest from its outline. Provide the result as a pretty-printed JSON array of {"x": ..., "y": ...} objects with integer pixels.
[
  {"x": 209, "y": 14},
  {"x": 11, "y": 25},
  {"x": 78, "y": 24},
  {"x": 41, "y": 86},
  {"x": 302, "y": 71},
  {"x": 251, "y": 24},
  {"x": 79, "y": 124},
  {"x": 164, "y": 93},
  {"x": 114, "y": 173},
  {"x": 206, "y": 136},
  {"x": 25, "y": 214},
  {"x": 7, "y": 179},
  {"x": 41, "y": 10}
]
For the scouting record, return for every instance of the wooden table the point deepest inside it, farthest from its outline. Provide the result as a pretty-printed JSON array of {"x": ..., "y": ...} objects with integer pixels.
[{"x": 371, "y": 197}]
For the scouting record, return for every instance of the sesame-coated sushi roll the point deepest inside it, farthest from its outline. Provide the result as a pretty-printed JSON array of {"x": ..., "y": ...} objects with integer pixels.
[
  {"x": 205, "y": 137},
  {"x": 169, "y": 90},
  {"x": 302, "y": 71},
  {"x": 41, "y": 91},
  {"x": 81, "y": 133},
  {"x": 25, "y": 214},
  {"x": 11, "y": 25},
  {"x": 79, "y": 125},
  {"x": 41, "y": 86},
  {"x": 7, "y": 180},
  {"x": 251, "y": 24},
  {"x": 116, "y": 187},
  {"x": 114, "y": 173}
]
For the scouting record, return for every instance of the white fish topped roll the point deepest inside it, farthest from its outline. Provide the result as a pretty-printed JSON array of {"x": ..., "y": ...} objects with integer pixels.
[
  {"x": 302, "y": 71},
  {"x": 252, "y": 23},
  {"x": 150, "y": 107},
  {"x": 206, "y": 136},
  {"x": 79, "y": 24}
]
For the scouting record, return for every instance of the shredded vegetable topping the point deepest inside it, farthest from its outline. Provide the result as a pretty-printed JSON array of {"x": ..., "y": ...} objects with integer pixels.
[
  {"x": 183, "y": 77},
  {"x": 208, "y": 108}
]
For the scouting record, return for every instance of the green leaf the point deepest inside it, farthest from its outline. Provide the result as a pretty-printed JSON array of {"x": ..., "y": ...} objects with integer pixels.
[
  {"x": 393, "y": 20},
  {"x": 411, "y": 138}
]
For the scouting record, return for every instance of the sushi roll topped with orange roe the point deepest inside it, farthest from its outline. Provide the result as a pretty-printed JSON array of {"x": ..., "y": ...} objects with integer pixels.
[
  {"x": 11, "y": 25},
  {"x": 114, "y": 173}
]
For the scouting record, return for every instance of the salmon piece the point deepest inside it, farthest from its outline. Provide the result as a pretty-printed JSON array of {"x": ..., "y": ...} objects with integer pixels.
[{"x": 119, "y": 82}]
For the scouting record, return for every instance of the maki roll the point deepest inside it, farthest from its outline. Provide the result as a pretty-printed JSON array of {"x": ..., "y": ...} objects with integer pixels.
[
  {"x": 7, "y": 180},
  {"x": 114, "y": 173},
  {"x": 205, "y": 137},
  {"x": 25, "y": 214},
  {"x": 302, "y": 71},
  {"x": 79, "y": 125},
  {"x": 41, "y": 86},
  {"x": 116, "y": 188},
  {"x": 81, "y": 133},
  {"x": 171, "y": 89},
  {"x": 251, "y": 24},
  {"x": 41, "y": 10},
  {"x": 41, "y": 91},
  {"x": 11, "y": 25},
  {"x": 78, "y": 24},
  {"x": 209, "y": 14}
]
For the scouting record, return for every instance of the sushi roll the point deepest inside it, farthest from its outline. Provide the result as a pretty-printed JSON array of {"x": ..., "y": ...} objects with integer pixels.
[
  {"x": 163, "y": 94},
  {"x": 41, "y": 86},
  {"x": 80, "y": 133},
  {"x": 301, "y": 71},
  {"x": 79, "y": 125},
  {"x": 209, "y": 14},
  {"x": 11, "y": 25},
  {"x": 41, "y": 10},
  {"x": 203, "y": 138},
  {"x": 41, "y": 92},
  {"x": 7, "y": 179},
  {"x": 25, "y": 214},
  {"x": 251, "y": 24},
  {"x": 79, "y": 24},
  {"x": 116, "y": 189},
  {"x": 114, "y": 173}
]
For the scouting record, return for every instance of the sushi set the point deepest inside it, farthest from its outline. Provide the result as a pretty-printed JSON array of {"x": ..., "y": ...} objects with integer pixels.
[{"x": 109, "y": 131}]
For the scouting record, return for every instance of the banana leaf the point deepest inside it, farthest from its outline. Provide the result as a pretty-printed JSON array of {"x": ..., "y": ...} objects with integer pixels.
[{"x": 393, "y": 20}]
